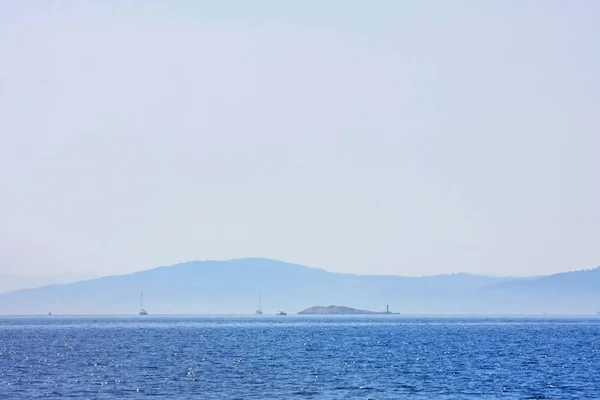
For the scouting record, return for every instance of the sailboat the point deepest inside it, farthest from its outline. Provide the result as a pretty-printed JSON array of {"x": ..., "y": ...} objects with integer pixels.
[
  {"x": 142, "y": 309},
  {"x": 258, "y": 311}
]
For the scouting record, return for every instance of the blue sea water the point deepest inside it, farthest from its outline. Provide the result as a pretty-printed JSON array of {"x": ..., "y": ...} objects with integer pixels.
[{"x": 304, "y": 357}]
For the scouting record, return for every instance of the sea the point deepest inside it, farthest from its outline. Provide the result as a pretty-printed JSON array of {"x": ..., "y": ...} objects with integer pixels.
[{"x": 300, "y": 357}]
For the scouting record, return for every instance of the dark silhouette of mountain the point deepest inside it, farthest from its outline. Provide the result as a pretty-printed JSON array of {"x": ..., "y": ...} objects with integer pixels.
[{"x": 205, "y": 287}]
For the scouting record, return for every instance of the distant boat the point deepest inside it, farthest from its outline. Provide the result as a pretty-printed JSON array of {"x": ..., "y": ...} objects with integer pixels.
[
  {"x": 258, "y": 311},
  {"x": 281, "y": 313},
  {"x": 49, "y": 314},
  {"x": 142, "y": 309}
]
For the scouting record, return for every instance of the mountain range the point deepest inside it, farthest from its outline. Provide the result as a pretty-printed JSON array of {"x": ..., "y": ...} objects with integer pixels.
[
  {"x": 233, "y": 286},
  {"x": 9, "y": 283}
]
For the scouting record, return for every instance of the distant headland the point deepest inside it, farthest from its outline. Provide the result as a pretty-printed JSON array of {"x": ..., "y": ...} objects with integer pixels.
[
  {"x": 233, "y": 286},
  {"x": 341, "y": 310}
]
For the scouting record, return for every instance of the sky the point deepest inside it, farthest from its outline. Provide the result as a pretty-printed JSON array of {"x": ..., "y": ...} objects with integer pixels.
[{"x": 383, "y": 137}]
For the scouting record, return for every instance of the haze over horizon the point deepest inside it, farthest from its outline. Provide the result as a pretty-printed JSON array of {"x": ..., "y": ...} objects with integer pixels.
[
  {"x": 402, "y": 138},
  {"x": 233, "y": 287},
  {"x": 69, "y": 277}
]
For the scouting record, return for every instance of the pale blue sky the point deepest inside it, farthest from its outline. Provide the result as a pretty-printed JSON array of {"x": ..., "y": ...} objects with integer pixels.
[{"x": 399, "y": 137}]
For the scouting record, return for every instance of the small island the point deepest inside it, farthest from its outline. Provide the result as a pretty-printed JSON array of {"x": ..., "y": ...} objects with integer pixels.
[{"x": 341, "y": 310}]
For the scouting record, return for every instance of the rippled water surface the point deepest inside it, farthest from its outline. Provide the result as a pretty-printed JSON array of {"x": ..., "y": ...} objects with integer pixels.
[{"x": 262, "y": 357}]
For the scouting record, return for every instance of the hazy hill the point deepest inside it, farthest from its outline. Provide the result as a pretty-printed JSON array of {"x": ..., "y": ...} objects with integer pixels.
[
  {"x": 233, "y": 286},
  {"x": 10, "y": 283},
  {"x": 567, "y": 292},
  {"x": 337, "y": 310}
]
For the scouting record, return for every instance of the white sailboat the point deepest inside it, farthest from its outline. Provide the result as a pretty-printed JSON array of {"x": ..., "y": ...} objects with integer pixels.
[
  {"x": 142, "y": 309},
  {"x": 258, "y": 311}
]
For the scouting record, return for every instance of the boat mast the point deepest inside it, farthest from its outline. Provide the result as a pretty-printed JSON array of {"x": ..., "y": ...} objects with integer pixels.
[
  {"x": 141, "y": 300},
  {"x": 259, "y": 299}
]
